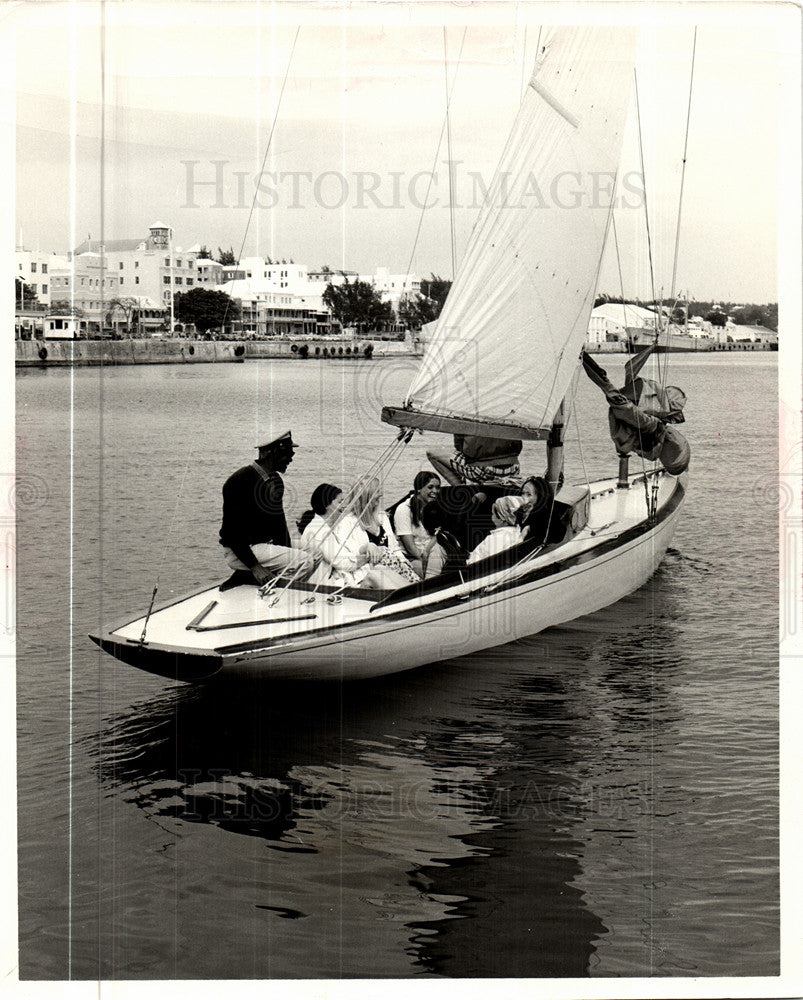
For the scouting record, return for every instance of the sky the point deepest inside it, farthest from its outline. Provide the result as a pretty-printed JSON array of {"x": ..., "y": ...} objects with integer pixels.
[{"x": 177, "y": 126}]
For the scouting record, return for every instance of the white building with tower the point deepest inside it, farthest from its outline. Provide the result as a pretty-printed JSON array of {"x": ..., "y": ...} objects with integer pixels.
[{"x": 150, "y": 267}]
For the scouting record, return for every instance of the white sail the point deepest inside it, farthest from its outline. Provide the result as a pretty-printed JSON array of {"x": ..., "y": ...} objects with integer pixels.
[{"x": 507, "y": 341}]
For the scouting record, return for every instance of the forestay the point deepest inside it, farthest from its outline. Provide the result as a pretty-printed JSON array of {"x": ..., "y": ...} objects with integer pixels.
[{"x": 507, "y": 341}]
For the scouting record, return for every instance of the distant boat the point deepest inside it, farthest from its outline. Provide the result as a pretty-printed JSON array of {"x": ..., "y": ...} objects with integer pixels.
[
  {"x": 500, "y": 361},
  {"x": 672, "y": 340}
]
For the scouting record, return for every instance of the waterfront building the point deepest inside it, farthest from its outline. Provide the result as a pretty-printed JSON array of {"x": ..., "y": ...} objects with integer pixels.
[
  {"x": 87, "y": 285},
  {"x": 393, "y": 287},
  {"x": 612, "y": 321},
  {"x": 327, "y": 276},
  {"x": 268, "y": 311},
  {"x": 149, "y": 266},
  {"x": 35, "y": 268},
  {"x": 288, "y": 277},
  {"x": 209, "y": 273},
  {"x": 753, "y": 334},
  {"x": 281, "y": 284}
]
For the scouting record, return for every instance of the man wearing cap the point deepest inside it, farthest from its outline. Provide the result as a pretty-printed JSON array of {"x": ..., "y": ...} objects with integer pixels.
[{"x": 254, "y": 531}]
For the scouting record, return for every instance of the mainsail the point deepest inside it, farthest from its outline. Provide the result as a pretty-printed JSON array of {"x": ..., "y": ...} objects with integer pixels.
[{"x": 507, "y": 342}]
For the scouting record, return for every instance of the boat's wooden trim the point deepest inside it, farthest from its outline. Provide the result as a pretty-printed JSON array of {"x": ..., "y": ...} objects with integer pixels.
[
  {"x": 196, "y": 622},
  {"x": 455, "y": 424},
  {"x": 121, "y": 623},
  {"x": 250, "y": 623},
  {"x": 363, "y": 594}
]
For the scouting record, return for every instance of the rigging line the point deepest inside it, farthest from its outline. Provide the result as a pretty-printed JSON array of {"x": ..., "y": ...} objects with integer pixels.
[
  {"x": 579, "y": 433},
  {"x": 680, "y": 199},
  {"x": 649, "y": 254},
  {"x": 190, "y": 454},
  {"x": 619, "y": 268},
  {"x": 265, "y": 157},
  {"x": 646, "y": 200},
  {"x": 402, "y": 440},
  {"x": 449, "y": 145},
  {"x": 435, "y": 160},
  {"x": 383, "y": 463},
  {"x": 524, "y": 60},
  {"x": 624, "y": 308},
  {"x": 593, "y": 289},
  {"x": 683, "y": 169}
]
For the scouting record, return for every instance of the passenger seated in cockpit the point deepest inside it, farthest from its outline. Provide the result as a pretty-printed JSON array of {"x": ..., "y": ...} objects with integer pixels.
[
  {"x": 368, "y": 529},
  {"x": 506, "y": 531},
  {"x": 438, "y": 524},
  {"x": 535, "y": 516},
  {"x": 421, "y": 546},
  {"x": 346, "y": 556}
]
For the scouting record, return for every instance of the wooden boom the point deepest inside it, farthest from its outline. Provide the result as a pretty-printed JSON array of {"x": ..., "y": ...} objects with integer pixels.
[{"x": 421, "y": 420}]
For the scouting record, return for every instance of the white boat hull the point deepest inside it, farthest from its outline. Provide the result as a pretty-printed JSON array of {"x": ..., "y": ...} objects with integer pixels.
[{"x": 316, "y": 640}]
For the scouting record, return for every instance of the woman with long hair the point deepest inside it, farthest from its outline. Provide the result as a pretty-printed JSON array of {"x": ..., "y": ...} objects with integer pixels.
[
  {"x": 421, "y": 546},
  {"x": 535, "y": 514},
  {"x": 346, "y": 557},
  {"x": 368, "y": 529}
]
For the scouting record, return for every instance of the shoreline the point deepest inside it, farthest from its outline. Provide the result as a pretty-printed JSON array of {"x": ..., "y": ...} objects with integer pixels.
[{"x": 93, "y": 353}]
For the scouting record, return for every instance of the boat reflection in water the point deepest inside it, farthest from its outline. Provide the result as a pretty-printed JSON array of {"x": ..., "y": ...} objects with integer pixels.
[{"x": 441, "y": 824}]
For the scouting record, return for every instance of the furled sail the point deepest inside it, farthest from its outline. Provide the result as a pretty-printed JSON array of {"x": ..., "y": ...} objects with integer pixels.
[{"x": 507, "y": 342}]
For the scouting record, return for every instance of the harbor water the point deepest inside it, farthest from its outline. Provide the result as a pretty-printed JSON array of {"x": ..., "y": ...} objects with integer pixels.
[{"x": 597, "y": 800}]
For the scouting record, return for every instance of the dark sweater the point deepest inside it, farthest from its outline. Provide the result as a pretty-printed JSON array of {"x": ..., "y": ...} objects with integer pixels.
[{"x": 253, "y": 512}]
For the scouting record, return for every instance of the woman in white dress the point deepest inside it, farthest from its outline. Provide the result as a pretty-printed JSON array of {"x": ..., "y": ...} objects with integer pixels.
[
  {"x": 425, "y": 554},
  {"x": 347, "y": 558},
  {"x": 323, "y": 538},
  {"x": 370, "y": 529},
  {"x": 505, "y": 533}
]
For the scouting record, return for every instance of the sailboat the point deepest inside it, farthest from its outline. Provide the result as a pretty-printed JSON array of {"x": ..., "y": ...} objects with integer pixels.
[{"x": 502, "y": 358}]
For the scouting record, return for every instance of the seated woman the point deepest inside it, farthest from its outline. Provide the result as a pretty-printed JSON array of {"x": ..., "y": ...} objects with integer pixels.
[
  {"x": 421, "y": 546},
  {"x": 346, "y": 557},
  {"x": 535, "y": 516},
  {"x": 505, "y": 533},
  {"x": 368, "y": 529},
  {"x": 317, "y": 528}
]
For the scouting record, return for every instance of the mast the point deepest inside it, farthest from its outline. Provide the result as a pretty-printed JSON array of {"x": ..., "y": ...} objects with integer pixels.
[{"x": 554, "y": 450}]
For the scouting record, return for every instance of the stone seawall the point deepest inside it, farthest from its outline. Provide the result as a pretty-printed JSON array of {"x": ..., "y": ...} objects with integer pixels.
[
  {"x": 59, "y": 353},
  {"x": 740, "y": 345}
]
